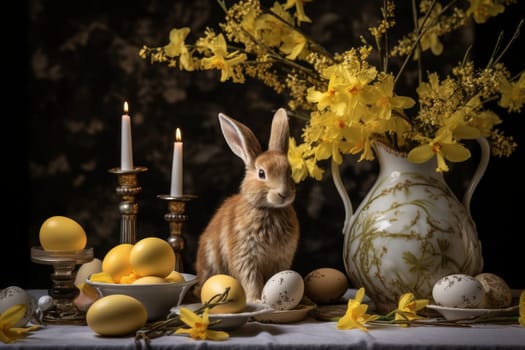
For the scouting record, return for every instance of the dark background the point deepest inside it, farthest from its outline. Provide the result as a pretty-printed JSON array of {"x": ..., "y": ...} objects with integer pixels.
[{"x": 74, "y": 63}]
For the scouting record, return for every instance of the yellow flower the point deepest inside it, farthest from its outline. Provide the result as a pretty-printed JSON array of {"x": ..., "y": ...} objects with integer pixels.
[
  {"x": 383, "y": 101},
  {"x": 199, "y": 326},
  {"x": 297, "y": 162},
  {"x": 481, "y": 10},
  {"x": 330, "y": 142},
  {"x": 408, "y": 307},
  {"x": 329, "y": 98},
  {"x": 443, "y": 147},
  {"x": 512, "y": 94},
  {"x": 485, "y": 121},
  {"x": 356, "y": 316},
  {"x": 299, "y": 10},
  {"x": 293, "y": 44},
  {"x": 8, "y": 319},
  {"x": 359, "y": 136},
  {"x": 269, "y": 29},
  {"x": 522, "y": 308},
  {"x": 430, "y": 39},
  {"x": 222, "y": 60},
  {"x": 432, "y": 90},
  {"x": 177, "y": 48}
]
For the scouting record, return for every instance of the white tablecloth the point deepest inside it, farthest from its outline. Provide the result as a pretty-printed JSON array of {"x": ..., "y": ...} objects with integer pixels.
[{"x": 307, "y": 334}]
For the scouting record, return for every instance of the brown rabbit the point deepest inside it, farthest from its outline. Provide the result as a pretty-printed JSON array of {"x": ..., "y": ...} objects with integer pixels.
[{"x": 254, "y": 233}]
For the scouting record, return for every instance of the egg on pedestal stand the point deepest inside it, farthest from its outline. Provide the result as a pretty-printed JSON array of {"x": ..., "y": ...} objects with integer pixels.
[{"x": 63, "y": 243}]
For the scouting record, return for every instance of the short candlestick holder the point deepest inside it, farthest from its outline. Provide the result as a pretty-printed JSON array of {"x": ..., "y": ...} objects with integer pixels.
[
  {"x": 176, "y": 217},
  {"x": 63, "y": 289},
  {"x": 128, "y": 188}
]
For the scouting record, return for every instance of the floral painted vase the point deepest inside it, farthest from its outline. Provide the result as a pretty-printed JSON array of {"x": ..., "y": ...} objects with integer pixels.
[{"x": 410, "y": 230}]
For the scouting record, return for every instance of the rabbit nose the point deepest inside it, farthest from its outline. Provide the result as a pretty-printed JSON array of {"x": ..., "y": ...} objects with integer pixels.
[{"x": 284, "y": 195}]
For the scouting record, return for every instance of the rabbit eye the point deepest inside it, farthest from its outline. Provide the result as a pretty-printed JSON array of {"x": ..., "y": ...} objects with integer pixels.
[{"x": 261, "y": 174}]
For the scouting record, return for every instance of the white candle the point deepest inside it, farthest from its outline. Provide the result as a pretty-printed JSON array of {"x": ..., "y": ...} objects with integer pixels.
[
  {"x": 176, "y": 167},
  {"x": 126, "y": 153}
]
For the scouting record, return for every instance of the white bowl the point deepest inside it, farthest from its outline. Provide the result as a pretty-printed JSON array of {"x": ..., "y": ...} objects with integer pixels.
[
  {"x": 158, "y": 298},
  {"x": 232, "y": 321},
  {"x": 296, "y": 314},
  {"x": 458, "y": 314}
]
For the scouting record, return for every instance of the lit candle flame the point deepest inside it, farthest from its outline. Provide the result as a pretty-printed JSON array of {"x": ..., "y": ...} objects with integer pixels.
[
  {"x": 178, "y": 136},
  {"x": 126, "y": 108}
]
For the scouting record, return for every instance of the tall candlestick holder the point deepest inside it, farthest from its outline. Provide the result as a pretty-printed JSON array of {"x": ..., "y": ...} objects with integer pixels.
[
  {"x": 128, "y": 187},
  {"x": 176, "y": 217}
]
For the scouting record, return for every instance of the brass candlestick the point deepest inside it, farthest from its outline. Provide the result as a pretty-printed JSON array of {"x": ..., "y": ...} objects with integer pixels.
[
  {"x": 127, "y": 189},
  {"x": 176, "y": 217},
  {"x": 63, "y": 289}
]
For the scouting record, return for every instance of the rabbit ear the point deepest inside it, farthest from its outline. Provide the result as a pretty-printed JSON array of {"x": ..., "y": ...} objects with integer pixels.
[
  {"x": 280, "y": 132},
  {"x": 240, "y": 138}
]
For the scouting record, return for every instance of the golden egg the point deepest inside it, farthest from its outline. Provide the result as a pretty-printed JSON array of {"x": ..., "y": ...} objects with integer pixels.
[
  {"x": 152, "y": 256},
  {"x": 217, "y": 284},
  {"x": 174, "y": 276},
  {"x": 325, "y": 285},
  {"x": 61, "y": 233},
  {"x": 116, "y": 315},
  {"x": 102, "y": 277},
  {"x": 149, "y": 280},
  {"x": 116, "y": 261}
]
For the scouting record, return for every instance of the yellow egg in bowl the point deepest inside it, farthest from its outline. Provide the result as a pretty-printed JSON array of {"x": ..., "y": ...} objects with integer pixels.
[{"x": 157, "y": 298}]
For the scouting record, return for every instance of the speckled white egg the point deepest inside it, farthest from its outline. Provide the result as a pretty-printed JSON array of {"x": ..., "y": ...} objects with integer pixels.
[
  {"x": 497, "y": 292},
  {"x": 458, "y": 290},
  {"x": 284, "y": 290},
  {"x": 14, "y": 295}
]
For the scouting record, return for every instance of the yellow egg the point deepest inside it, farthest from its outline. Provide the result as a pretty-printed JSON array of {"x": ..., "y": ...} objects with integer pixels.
[
  {"x": 116, "y": 261},
  {"x": 127, "y": 279},
  {"x": 152, "y": 256},
  {"x": 217, "y": 284},
  {"x": 149, "y": 280},
  {"x": 174, "y": 276},
  {"x": 63, "y": 234},
  {"x": 116, "y": 315}
]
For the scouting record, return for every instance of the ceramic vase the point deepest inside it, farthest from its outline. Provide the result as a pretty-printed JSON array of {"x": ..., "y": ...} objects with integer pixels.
[{"x": 409, "y": 230}]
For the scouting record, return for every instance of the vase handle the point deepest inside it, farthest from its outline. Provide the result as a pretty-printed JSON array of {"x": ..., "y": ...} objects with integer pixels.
[
  {"x": 478, "y": 174},
  {"x": 343, "y": 193}
]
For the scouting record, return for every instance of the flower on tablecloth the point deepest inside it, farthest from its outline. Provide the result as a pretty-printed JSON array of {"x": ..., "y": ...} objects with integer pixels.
[
  {"x": 356, "y": 316},
  {"x": 8, "y": 319},
  {"x": 199, "y": 326},
  {"x": 408, "y": 307}
]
